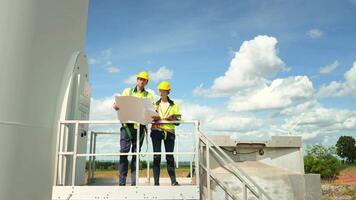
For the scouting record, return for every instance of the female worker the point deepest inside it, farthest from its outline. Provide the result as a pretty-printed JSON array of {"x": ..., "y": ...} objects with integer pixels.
[{"x": 167, "y": 110}]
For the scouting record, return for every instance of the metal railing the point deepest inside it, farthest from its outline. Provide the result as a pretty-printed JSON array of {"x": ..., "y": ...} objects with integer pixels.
[
  {"x": 93, "y": 146},
  {"x": 62, "y": 147},
  {"x": 213, "y": 150}
]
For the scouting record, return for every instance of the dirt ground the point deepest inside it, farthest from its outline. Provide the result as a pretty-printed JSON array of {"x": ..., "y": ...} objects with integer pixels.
[
  {"x": 346, "y": 177},
  {"x": 343, "y": 188}
]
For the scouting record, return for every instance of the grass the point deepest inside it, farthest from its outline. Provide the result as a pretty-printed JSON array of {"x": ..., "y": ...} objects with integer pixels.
[
  {"x": 349, "y": 167},
  {"x": 347, "y": 190}
]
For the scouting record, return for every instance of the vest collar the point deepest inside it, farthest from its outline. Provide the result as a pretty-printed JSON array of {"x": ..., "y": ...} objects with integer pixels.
[
  {"x": 135, "y": 89},
  {"x": 171, "y": 103}
]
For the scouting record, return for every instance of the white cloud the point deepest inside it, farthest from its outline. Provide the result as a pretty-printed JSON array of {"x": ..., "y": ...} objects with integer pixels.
[
  {"x": 213, "y": 119},
  {"x": 235, "y": 124},
  {"x": 309, "y": 119},
  {"x": 92, "y": 61},
  {"x": 332, "y": 90},
  {"x": 350, "y": 123},
  {"x": 102, "y": 109},
  {"x": 253, "y": 67},
  {"x": 255, "y": 61},
  {"x": 253, "y": 89},
  {"x": 219, "y": 120},
  {"x": 104, "y": 59},
  {"x": 106, "y": 53},
  {"x": 314, "y": 121},
  {"x": 297, "y": 109},
  {"x": 279, "y": 94},
  {"x": 338, "y": 89},
  {"x": 329, "y": 68},
  {"x": 350, "y": 77},
  {"x": 192, "y": 111},
  {"x": 112, "y": 70},
  {"x": 247, "y": 81},
  {"x": 163, "y": 73},
  {"x": 315, "y": 33},
  {"x": 130, "y": 80}
]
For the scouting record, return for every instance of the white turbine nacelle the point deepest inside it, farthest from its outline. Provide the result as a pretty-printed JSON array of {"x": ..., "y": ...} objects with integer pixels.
[{"x": 38, "y": 41}]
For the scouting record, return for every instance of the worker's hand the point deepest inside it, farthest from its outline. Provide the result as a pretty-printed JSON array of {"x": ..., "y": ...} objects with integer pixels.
[
  {"x": 171, "y": 118},
  {"x": 156, "y": 118},
  {"x": 116, "y": 107}
]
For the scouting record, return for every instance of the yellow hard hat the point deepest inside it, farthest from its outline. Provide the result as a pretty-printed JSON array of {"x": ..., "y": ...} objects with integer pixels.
[
  {"x": 164, "y": 85},
  {"x": 143, "y": 75}
]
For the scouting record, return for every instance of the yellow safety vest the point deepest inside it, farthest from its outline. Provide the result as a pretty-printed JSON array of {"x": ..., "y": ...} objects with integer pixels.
[{"x": 164, "y": 112}]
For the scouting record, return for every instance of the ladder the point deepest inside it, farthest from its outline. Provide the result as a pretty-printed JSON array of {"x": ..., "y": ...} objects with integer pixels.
[{"x": 205, "y": 153}]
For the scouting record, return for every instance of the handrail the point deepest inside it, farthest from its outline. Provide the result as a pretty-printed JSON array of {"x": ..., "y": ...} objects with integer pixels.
[
  {"x": 60, "y": 153},
  {"x": 221, "y": 184},
  {"x": 119, "y": 122},
  {"x": 234, "y": 169},
  {"x": 211, "y": 147}
]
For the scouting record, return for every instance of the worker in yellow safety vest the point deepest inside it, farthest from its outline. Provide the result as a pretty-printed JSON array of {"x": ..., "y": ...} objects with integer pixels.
[
  {"x": 128, "y": 131},
  {"x": 168, "y": 110}
]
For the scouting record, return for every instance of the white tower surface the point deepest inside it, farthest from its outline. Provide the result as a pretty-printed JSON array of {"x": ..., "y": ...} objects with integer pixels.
[{"x": 37, "y": 41}]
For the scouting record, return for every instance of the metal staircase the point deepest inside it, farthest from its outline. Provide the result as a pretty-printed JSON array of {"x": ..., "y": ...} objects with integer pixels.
[
  {"x": 209, "y": 150},
  {"x": 206, "y": 152}
]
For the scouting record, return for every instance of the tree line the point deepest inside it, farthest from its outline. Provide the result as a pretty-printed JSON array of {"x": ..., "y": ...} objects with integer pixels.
[{"x": 328, "y": 161}]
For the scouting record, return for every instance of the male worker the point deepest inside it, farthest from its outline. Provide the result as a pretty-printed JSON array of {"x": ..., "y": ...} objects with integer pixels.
[
  {"x": 168, "y": 110},
  {"x": 128, "y": 131}
]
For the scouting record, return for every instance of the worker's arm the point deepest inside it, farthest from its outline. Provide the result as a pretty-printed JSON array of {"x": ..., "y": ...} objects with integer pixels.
[
  {"x": 173, "y": 117},
  {"x": 174, "y": 114},
  {"x": 157, "y": 117}
]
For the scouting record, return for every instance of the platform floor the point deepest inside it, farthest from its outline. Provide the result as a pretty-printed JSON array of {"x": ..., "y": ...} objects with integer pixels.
[
  {"x": 108, "y": 188},
  {"x": 165, "y": 181}
]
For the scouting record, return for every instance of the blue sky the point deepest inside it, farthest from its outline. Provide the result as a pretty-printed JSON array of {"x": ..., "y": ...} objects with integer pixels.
[{"x": 263, "y": 67}]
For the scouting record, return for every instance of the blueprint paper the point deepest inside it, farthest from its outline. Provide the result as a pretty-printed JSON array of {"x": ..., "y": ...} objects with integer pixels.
[{"x": 135, "y": 109}]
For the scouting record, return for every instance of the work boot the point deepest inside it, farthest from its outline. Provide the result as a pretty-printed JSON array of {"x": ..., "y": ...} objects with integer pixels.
[
  {"x": 156, "y": 180},
  {"x": 175, "y": 184}
]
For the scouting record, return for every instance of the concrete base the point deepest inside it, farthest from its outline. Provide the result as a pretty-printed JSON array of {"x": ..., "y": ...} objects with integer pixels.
[{"x": 276, "y": 165}]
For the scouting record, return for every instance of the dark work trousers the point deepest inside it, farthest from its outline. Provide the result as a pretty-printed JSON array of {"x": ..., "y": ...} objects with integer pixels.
[
  {"x": 157, "y": 136},
  {"x": 125, "y": 144}
]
